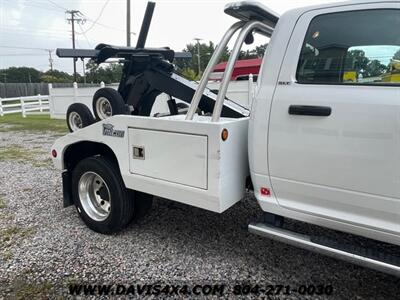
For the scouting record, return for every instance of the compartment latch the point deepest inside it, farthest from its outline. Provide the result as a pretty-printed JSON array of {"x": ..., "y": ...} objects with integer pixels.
[{"x": 138, "y": 152}]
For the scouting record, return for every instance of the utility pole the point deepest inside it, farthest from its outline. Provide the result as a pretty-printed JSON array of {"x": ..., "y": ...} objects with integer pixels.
[
  {"x": 72, "y": 21},
  {"x": 84, "y": 71},
  {"x": 128, "y": 23},
  {"x": 50, "y": 59},
  {"x": 198, "y": 54}
]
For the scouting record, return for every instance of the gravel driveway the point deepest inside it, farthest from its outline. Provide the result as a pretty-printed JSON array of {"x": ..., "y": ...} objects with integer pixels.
[{"x": 45, "y": 247}]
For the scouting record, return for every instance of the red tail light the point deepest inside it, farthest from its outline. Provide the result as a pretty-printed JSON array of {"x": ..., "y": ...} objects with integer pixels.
[{"x": 265, "y": 192}]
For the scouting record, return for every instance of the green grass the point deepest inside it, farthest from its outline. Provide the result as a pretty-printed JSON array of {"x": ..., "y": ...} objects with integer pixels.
[
  {"x": 16, "y": 152},
  {"x": 35, "y": 123},
  {"x": 48, "y": 162},
  {"x": 5, "y": 217},
  {"x": 7, "y": 235},
  {"x": 7, "y": 255},
  {"x": 2, "y": 204},
  {"x": 24, "y": 290}
]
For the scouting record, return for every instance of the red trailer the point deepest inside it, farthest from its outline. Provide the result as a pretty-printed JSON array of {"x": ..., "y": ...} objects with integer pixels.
[{"x": 241, "y": 71}]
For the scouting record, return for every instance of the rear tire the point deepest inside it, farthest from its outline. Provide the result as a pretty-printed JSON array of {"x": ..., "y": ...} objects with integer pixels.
[
  {"x": 78, "y": 116},
  {"x": 107, "y": 102},
  {"x": 100, "y": 196}
]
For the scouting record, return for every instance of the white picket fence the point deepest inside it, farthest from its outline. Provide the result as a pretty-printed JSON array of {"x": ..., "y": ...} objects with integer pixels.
[{"x": 24, "y": 105}]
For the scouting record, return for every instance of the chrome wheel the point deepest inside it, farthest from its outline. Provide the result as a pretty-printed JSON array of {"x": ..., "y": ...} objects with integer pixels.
[
  {"x": 75, "y": 121},
  {"x": 94, "y": 196},
  {"x": 103, "y": 108}
]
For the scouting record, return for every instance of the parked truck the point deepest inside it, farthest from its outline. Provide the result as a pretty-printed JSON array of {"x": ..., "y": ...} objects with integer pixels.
[{"x": 315, "y": 147}]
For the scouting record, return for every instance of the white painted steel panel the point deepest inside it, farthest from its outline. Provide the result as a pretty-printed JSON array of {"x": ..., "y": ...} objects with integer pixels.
[
  {"x": 345, "y": 166},
  {"x": 170, "y": 156},
  {"x": 227, "y": 161},
  {"x": 336, "y": 172}
]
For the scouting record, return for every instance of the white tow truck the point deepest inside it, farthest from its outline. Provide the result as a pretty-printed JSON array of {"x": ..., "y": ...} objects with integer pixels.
[{"x": 314, "y": 147}]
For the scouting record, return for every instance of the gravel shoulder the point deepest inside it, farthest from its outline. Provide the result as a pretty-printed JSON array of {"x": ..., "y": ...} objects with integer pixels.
[{"x": 44, "y": 247}]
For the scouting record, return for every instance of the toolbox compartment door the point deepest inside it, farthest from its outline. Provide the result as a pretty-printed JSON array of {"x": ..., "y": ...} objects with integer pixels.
[{"x": 170, "y": 156}]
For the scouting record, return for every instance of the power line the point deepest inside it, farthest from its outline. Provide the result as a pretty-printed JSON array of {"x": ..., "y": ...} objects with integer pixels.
[
  {"x": 96, "y": 21},
  {"x": 57, "y": 5},
  {"x": 22, "y": 54},
  {"x": 52, "y": 35},
  {"x": 35, "y": 29},
  {"x": 19, "y": 47},
  {"x": 49, "y": 51},
  {"x": 85, "y": 36},
  {"x": 98, "y": 17},
  {"x": 42, "y": 7},
  {"x": 106, "y": 26},
  {"x": 36, "y": 5},
  {"x": 46, "y": 36}
]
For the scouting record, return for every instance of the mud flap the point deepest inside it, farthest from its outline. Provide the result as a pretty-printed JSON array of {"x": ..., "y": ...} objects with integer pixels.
[{"x": 67, "y": 193}]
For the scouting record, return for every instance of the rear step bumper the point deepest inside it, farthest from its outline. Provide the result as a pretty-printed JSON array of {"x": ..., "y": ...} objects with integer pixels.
[{"x": 305, "y": 242}]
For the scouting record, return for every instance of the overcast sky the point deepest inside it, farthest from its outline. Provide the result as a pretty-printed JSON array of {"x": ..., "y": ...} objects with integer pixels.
[{"x": 42, "y": 24}]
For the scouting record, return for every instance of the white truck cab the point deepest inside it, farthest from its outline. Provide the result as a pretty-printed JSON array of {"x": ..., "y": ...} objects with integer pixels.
[
  {"x": 334, "y": 159},
  {"x": 321, "y": 143}
]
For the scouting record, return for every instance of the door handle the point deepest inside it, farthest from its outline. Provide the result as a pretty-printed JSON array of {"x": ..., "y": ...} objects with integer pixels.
[{"x": 309, "y": 110}]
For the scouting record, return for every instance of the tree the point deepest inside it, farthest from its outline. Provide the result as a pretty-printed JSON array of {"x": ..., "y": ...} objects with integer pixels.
[
  {"x": 190, "y": 74},
  {"x": 25, "y": 74},
  {"x": 358, "y": 60},
  {"x": 20, "y": 74},
  {"x": 396, "y": 56},
  {"x": 375, "y": 68},
  {"x": 258, "y": 52},
  {"x": 189, "y": 67},
  {"x": 206, "y": 51},
  {"x": 56, "y": 76},
  {"x": 108, "y": 74},
  {"x": 248, "y": 54}
]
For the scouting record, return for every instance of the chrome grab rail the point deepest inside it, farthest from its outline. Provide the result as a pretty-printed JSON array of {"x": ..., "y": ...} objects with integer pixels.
[
  {"x": 210, "y": 67},
  {"x": 246, "y": 29}
]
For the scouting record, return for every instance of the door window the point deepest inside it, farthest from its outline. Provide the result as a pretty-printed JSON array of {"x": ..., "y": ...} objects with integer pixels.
[{"x": 355, "y": 47}]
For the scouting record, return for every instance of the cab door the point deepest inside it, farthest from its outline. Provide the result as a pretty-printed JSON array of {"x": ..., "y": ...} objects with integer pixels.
[{"x": 334, "y": 135}]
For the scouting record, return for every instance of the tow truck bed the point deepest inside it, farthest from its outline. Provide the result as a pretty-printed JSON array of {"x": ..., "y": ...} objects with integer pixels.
[{"x": 185, "y": 161}]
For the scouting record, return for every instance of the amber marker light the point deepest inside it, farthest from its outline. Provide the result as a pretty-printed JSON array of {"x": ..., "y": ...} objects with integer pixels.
[{"x": 224, "y": 134}]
